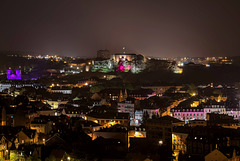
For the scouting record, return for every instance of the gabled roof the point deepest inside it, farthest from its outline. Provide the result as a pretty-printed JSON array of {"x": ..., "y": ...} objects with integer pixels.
[
  {"x": 54, "y": 140},
  {"x": 166, "y": 120},
  {"x": 30, "y": 133}
]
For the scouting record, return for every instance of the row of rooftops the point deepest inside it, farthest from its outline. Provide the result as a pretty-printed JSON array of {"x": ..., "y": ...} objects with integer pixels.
[
  {"x": 11, "y": 132},
  {"x": 109, "y": 115},
  {"x": 205, "y": 131},
  {"x": 165, "y": 120},
  {"x": 201, "y": 109}
]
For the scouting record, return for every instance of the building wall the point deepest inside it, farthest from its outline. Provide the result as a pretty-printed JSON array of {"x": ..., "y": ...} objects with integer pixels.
[
  {"x": 160, "y": 132},
  {"x": 42, "y": 128},
  {"x": 179, "y": 143},
  {"x": 22, "y": 138},
  {"x": 108, "y": 122},
  {"x": 118, "y": 57},
  {"x": 61, "y": 91},
  {"x": 159, "y": 90},
  {"x": 151, "y": 112},
  {"x": 126, "y": 108},
  {"x": 123, "y": 136},
  {"x": 187, "y": 114}
]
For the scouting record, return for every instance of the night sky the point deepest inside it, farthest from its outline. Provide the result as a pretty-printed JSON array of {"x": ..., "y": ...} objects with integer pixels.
[{"x": 150, "y": 27}]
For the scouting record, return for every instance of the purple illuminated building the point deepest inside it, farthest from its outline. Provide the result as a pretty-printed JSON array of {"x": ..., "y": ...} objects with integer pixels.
[{"x": 10, "y": 75}]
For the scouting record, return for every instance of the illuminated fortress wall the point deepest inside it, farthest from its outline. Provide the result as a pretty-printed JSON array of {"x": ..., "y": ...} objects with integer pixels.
[
  {"x": 118, "y": 57},
  {"x": 11, "y": 75},
  {"x": 120, "y": 63}
]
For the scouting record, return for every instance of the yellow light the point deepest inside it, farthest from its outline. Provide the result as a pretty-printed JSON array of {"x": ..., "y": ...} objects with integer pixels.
[
  {"x": 137, "y": 134},
  {"x": 160, "y": 142},
  {"x": 89, "y": 63},
  {"x": 86, "y": 84},
  {"x": 180, "y": 71}
]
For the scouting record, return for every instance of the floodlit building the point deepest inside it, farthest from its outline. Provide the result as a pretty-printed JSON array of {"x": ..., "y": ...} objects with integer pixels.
[
  {"x": 109, "y": 119},
  {"x": 63, "y": 90},
  {"x": 126, "y": 107}
]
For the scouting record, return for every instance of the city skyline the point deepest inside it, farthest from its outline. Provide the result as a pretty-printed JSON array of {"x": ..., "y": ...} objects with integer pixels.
[{"x": 158, "y": 29}]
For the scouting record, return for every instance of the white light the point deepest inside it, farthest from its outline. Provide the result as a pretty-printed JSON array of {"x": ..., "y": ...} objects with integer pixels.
[{"x": 160, "y": 142}]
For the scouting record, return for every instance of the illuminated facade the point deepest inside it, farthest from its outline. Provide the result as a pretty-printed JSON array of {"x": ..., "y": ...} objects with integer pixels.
[
  {"x": 104, "y": 66},
  {"x": 179, "y": 142},
  {"x": 195, "y": 113},
  {"x": 10, "y": 75},
  {"x": 123, "y": 57},
  {"x": 109, "y": 120},
  {"x": 120, "y": 63},
  {"x": 126, "y": 107}
]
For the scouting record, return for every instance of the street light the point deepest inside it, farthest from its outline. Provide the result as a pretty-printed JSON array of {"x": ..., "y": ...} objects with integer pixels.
[
  {"x": 160, "y": 142},
  {"x": 68, "y": 158}
]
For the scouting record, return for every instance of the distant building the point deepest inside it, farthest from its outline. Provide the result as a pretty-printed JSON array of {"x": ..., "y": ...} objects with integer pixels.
[
  {"x": 126, "y": 107},
  {"x": 224, "y": 120},
  {"x": 124, "y": 57},
  {"x": 230, "y": 153},
  {"x": 159, "y": 90},
  {"x": 63, "y": 90},
  {"x": 19, "y": 84},
  {"x": 114, "y": 94},
  {"x": 215, "y": 155},
  {"x": 138, "y": 117},
  {"x": 196, "y": 122},
  {"x": 141, "y": 94},
  {"x": 103, "y": 54},
  {"x": 41, "y": 126},
  {"x": 160, "y": 129},
  {"x": 179, "y": 139},
  {"x": 201, "y": 111},
  {"x": 151, "y": 111},
  {"x": 10, "y": 75},
  {"x": 54, "y": 103},
  {"x": 202, "y": 140},
  {"x": 108, "y": 119},
  {"x": 89, "y": 127},
  {"x": 114, "y": 132}
]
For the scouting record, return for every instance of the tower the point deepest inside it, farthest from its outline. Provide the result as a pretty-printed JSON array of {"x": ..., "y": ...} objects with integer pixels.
[
  {"x": 120, "y": 96},
  {"x": 125, "y": 94},
  {"x": 4, "y": 117}
]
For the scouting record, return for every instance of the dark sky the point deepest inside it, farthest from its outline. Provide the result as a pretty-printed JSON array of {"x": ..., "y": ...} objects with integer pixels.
[{"x": 150, "y": 27}]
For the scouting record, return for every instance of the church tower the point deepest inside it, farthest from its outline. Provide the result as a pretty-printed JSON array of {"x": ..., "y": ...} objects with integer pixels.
[
  {"x": 4, "y": 117},
  {"x": 120, "y": 96},
  {"x": 125, "y": 95}
]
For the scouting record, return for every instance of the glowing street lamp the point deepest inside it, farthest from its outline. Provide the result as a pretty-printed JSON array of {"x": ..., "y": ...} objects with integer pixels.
[{"x": 160, "y": 142}]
